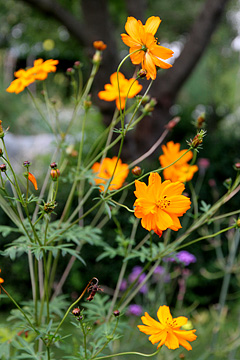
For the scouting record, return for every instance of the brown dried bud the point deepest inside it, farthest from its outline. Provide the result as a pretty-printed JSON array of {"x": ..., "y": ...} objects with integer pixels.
[
  {"x": 99, "y": 45},
  {"x": 76, "y": 312},
  {"x": 137, "y": 171},
  {"x": 3, "y": 167},
  {"x": 1, "y": 152},
  {"x": 172, "y": 123},
  {"x": 116, "y": 313},
  {"x": 55, "y": 173},
  {"x": 142, "y": 73}
]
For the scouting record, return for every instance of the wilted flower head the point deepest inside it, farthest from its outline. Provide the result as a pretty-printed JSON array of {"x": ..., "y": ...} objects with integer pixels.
[
  {"x": 143, "y": 45},
  {"x": 120, "y": 91},
  {"x": 103, "y": 172}
]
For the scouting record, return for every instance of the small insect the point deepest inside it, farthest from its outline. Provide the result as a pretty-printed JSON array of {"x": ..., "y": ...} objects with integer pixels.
[{"x": 94, "y": 288}]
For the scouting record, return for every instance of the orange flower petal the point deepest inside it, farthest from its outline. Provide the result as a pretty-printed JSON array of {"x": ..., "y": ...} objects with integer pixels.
[
  {"x": 33, "y": 180},
  {"x": 152, "y": 24}
]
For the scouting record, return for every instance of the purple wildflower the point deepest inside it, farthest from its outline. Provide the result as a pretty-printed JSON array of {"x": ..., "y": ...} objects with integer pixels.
[
  {"x": 135, "y": 310},
  {"x": 123, "y": 285},
  {"x": 186, "y": 257}
]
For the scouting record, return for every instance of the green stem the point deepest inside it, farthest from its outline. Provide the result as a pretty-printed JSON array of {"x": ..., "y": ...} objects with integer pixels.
[
  {"x": 19, "y": 308},
  {"x": 128, "y": 353}
]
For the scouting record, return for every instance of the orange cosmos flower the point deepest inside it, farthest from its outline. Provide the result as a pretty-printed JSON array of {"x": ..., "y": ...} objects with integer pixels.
[
  {"x": 42, "y": 68},
  {"x": 24, "y": 78},
  {"x": 33, "y": 180},
  {"x": 128, "y": 88},
  {"x": 39, "y": 71},
  {"x": 143, "y": 45},
  {"x": 167, "y": 330},
  {"x": 104, "y": 171},
  {"x": 181, "y": 170},
  {"x": 1, "y": 280},
  {"x": 160, "y": 204}
]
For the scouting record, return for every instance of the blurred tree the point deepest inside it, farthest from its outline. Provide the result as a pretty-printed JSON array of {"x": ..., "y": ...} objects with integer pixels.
[{"x": 91, "y": 20}]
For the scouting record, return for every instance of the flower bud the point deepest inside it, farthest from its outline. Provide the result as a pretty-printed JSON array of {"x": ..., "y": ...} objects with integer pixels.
[
  {"x": 55, "y": 173},
  {"x": 142, "y": 73},
  {"x": 150, "y": 106},
  {"x": 197, "y": 140},
  {"x": 137, "y": 171},
  {"x": 53, "y": 165},
  {"x": 1, "y": 152},
  {"x": 236, "y": 166},
  {"x": 200, "y": 121},
  {"x": 97, "y": 57},
  {"x": 3, "y": 168},
  {"x": 76, "y": 312},
  {"x": 238, "y": 223},
  {"x": 77, "y": 65},
  {"x": 70, "y": 71},
  {"x": 1, "y": 130},
  {"x": 116, "y": 313},
  {"x": 99, "y": 45},
  {"x": 87, "y": 103},
  {"x": 26, "y": 163}
]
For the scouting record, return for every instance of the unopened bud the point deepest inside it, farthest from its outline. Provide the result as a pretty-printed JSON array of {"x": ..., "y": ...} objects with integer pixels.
[
  {"x": 70, "y": 71},
  {"x": 3, "y": 168},
  {"x": 1, "y": 152},
  {"x": 76, "y": 312},
  {"x": 53, "y": 165},
  {"x": 97, "y": 57},
  {"x": 116, "y": 313},
  {"x": 142, "y": 73},
  {"x": 99, "y": 45},
  {"x": 137, "y": 171},
  {"x": 238, "y": 223},
  {"x": 55, "y": 173},
  {"x": 26, "y": 163},
  {"x": 150, "y": 106},
  {"x": 1, "y": 130},
  {"x": 77, "y": 65},
  {"x": 172, "y": 123},
  {"x": 200, "y": 121},
  {"x": 87, "y": 103},
  {"x": 197, "y": 140},
  {"x": 237, "y": 165}
]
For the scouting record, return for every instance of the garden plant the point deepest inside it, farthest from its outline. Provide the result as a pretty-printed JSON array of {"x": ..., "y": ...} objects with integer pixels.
[{"x": 97, "y": 188}]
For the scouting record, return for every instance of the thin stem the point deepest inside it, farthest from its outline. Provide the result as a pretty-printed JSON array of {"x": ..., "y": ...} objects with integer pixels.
[{"x": 128, "y": 353}]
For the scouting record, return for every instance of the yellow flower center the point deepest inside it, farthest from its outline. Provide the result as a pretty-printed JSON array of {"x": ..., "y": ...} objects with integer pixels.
[{"x": 163, "y": 203}]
